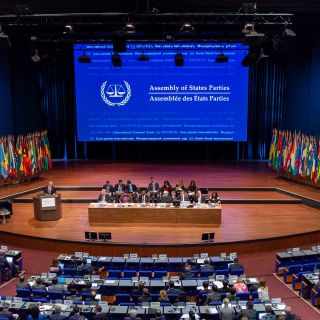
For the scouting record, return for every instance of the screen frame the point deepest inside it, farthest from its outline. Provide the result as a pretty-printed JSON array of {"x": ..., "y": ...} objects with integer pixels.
[{"x": 114, "y": 142}]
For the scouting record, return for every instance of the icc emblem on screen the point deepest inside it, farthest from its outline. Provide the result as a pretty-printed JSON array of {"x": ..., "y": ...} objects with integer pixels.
[{"x": 115, "y": 94}]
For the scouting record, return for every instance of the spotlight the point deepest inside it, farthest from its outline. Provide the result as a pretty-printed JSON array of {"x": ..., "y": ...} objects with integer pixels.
[
  {"x": 221, "y": 58},
  {"x": 248, "y": 28},
  {"x": 68, "y": 29},
  {"x": 36, "y": 58},
  {"x": 143, "y": 57},
  {"x": 116, "y": 60},
  {"x": 187, "y": 28},
  {"x": 129, "y": 28},
  {"x": 84, "y": 58},
  {"x": 179, "y": 59},
  {"x": 254, "y": 39},
  {"x": 281, "y": 41}
]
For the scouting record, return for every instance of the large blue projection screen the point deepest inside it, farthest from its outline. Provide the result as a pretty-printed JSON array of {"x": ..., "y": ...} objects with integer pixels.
[{"x": 157, "y": 101}]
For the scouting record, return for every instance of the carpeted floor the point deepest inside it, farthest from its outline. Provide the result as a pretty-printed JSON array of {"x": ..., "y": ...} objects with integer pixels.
[{"x": 259, "y": 265}]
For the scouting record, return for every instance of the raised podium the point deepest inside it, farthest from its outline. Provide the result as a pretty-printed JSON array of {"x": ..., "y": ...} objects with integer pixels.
[{"x": 47, "y": 207}]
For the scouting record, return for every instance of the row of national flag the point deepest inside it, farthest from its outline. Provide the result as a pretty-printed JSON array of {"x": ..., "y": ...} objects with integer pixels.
[
  {"x": 26, "y": 155},
  {"x": 295, "y": 153}
]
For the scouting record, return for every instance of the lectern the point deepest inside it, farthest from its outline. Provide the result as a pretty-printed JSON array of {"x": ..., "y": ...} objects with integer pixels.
[{"x": 47, "y": 207}]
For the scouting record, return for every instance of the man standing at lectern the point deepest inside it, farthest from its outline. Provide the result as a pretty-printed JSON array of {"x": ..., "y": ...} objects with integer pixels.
[{"x": 50, "y": 189}]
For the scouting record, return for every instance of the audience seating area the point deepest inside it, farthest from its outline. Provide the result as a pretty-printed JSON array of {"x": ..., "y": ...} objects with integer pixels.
[
  {"x": 117, "y": 284},
  {"x": 301, "y": 269}
]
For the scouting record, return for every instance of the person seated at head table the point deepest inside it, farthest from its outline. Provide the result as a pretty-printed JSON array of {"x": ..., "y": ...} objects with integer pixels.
[
  {"x": 119, "y": 188},
  {"x": 50, "y": 189},
  {"x": 183, "y": 196},
  {"x": 108, "y": 186},
  {"x": 166, "y": 188},
  {"x": 214, "y": 197},
  {"x": 198, "y": 198},
  {"x": 166, "y": 197},
  {"x": 192, "y": 189},
  {"x": 179, "y": 187},
  {"x": 153, "y": 187},
  {"x": 163, "y": 296},
  {"x": 39, "y": 285},
  {"x": 130, "y": 187},
  {"x": 240, "y": 286},
  {"x": 103, "y": 196},
  {"x": 144, "y": 197}
]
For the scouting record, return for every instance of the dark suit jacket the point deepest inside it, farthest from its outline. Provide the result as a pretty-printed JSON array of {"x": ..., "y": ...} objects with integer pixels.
[
  {"x": 57, "y": 287},
  {"x": 6, "y": 314},
  {"x": 156, "y": 186},
  {"x": 23, "y": 285},
  {"x": 201, "y": 199},
  {"x": 250, "y": 313},
  {"x": 129, "y": 318},
  {"x": 52, "y": 191},
  {"x": 39, "y": 287},
  {"x": 108, "y": 187},
  {"x": 123, "y": 187},
  {"x": 100, "y": 316},
  {"x": 56, "y": 316},
  {"x": 107, "y": 197},
  {"x": 213, "y": 296},
  {"x": 186, "y": 198},
  {"x": 235, "y": 267},
  {"x": 206, "y": 267},
  {"x": 147, "y": 199},
  {"x": 133, "y": 187}
]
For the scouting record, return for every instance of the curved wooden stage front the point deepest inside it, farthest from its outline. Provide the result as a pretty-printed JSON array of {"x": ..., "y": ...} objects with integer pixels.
[{"x": 249, "y": 222}]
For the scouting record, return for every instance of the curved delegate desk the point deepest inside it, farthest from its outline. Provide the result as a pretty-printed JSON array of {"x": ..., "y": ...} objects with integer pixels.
[{"x": 113, "y": 213}]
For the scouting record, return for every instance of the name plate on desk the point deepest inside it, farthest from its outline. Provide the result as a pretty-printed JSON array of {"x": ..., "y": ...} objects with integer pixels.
[{"x": 48, "y": 203}]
